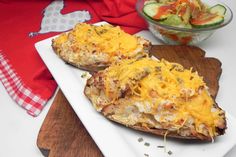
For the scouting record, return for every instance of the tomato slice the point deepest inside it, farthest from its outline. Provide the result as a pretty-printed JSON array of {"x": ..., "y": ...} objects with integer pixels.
[
  {"x": 163, "y": 11},
  {"x": 203, "y": 18}
]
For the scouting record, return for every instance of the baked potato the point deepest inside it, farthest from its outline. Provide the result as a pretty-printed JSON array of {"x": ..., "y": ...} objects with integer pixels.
[
  {"x": 157, "y": 97},
  {"x": 93, "y": 48}
]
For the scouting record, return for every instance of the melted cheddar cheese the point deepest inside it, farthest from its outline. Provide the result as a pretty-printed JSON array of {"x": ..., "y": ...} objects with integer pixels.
[
  {"x": 105, "y": 38},
  {"x": 172, "y": 94}
]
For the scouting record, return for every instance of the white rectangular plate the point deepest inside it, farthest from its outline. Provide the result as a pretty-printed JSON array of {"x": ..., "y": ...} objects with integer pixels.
[{"x": 118, "y": 141}]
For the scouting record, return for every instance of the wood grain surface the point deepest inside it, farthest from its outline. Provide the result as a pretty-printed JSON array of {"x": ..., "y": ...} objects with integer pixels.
[{"x": 63, "y": 135}]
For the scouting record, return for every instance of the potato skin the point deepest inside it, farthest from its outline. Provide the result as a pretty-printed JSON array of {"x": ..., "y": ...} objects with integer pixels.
[
  {"x": 94, "y": 87},
  {"x": 84, "y": 62}
]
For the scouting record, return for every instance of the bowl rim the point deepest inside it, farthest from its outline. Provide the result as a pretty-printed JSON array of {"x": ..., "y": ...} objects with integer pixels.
[{"x": 211, "y": 28}]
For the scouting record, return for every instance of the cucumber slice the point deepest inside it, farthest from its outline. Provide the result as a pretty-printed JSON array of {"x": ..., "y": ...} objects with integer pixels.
[
  {"x": 218, "y": 9},
  {"x": 176, "y": 21},
  {"x": 208, "y": 23},
  {"x": 151, "y": 9}
]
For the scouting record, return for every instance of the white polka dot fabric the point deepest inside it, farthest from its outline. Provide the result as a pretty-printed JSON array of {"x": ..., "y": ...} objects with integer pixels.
[{"x": 54, "y": 21}]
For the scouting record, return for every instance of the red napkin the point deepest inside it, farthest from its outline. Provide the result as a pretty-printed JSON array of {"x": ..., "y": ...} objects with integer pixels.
[{"x": 23, "y": 23}]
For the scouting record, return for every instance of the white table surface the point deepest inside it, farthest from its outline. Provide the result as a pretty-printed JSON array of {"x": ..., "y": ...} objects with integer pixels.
[{"x": 18, "y": 130}]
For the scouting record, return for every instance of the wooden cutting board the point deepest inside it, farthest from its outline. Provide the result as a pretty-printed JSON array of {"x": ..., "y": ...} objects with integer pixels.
[{"x": 62, "y": 133}]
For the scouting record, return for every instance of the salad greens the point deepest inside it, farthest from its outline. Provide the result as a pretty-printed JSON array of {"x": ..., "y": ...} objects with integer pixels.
[{"x": 184, "y": 13}]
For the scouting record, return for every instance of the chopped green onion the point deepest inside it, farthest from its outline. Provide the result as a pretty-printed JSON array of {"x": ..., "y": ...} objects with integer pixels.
[
  {"x": 160, "y": 146},
  {"x": 147, "y": 144},
  {"x": 84, "y": 75},
  {"x": 146, "y": 155},
  {"x": 140, "y": 139},
  {"x": 170, "y": 152}
]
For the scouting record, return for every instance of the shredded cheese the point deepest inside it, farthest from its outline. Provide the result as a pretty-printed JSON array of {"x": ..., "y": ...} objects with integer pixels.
[
  {"x": 165, "y": 135},
  {"x": 106, "y": 38},
  {"x": 178, "y": 91}
]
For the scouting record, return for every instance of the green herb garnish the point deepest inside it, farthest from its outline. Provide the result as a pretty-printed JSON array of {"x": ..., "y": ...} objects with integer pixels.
[
  {"x": 84, "y": 75},
  {"x": 160, "y": 146},
  {"x": 170, "y": 152},
  {"x": 146, "y": 155},
  {"x": 140, "y": 139},
  {"x": 147, "y": 144}
]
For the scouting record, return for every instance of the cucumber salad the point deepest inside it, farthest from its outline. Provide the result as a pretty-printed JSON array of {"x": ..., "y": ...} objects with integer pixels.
[{"x": 184, "y": 13}]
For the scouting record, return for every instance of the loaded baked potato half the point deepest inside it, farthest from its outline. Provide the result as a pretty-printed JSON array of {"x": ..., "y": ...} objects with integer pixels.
[
  {"x": 158, "y": 97},
  {"x": 93, "y": 47}
]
